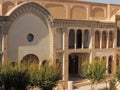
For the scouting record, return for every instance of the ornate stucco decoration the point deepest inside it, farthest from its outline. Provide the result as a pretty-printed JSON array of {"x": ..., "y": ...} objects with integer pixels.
[
  {"x": 27, "y": 7},
  {"x": 81, "y": 23}
]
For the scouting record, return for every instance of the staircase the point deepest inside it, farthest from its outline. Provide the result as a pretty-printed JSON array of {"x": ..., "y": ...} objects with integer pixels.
[{"x": 80, "y": 83}]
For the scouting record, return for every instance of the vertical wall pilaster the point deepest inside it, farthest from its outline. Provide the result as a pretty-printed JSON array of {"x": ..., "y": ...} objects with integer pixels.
[
  {"x": 1, "y": 1},
  {"x": 53, "y": 45},
  {"x": 5, "y": 49}
]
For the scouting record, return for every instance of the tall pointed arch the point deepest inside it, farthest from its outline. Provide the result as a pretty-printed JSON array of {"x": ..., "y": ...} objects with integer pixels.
[
  {"x": 71, "y": 39},
  {"x": 79, "y": 38},
  {"x": 86, "y": 39}
]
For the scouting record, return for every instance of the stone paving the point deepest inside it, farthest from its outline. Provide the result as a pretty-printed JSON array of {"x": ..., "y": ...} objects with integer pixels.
[{"x": 100, "y": 86}]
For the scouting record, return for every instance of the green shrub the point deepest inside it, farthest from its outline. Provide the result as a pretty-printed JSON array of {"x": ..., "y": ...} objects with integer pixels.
[
  {"x": 46, "y": 77},
  {"x": 14, "y": 78},
  {"x": 95, "y": 71}
]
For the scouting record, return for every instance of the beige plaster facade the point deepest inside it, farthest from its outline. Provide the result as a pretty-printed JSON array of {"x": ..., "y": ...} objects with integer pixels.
[{"x": 69, "y": 30}]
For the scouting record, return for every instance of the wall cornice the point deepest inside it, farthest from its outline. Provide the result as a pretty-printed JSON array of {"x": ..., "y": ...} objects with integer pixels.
[{"x": 81, "y": 23}]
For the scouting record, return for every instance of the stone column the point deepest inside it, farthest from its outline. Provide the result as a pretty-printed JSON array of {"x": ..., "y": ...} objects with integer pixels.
[
  {"x": 75, "y": 44},
  {"x": 115, "y": 49},
  {"x": 92, "y": 46},
  {"x": 92, "y": 41},
  {"x": 82, "y": 38},
  {"x": 115, "y": 38},
  {"x": 65, "y": 59},
  {"x": 114, "y": 66},
  {"x": 65, "y": 70}
]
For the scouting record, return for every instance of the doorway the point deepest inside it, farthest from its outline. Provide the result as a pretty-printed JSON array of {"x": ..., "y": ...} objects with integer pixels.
[{"x": 73, "y": 65}]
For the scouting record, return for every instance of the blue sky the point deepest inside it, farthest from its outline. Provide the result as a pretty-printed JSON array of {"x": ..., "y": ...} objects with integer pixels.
[{"x": 106, "y": 1}]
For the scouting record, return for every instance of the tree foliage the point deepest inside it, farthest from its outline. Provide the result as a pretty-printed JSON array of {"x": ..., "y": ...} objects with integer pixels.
[{"x": 95, "y": 71}]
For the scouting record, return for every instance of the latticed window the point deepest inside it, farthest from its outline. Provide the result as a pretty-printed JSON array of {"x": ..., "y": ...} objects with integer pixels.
[{"x": 97, "y": 39}]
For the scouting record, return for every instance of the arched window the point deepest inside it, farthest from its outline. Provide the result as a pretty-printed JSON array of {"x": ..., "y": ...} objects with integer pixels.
[
  {"x": 86, "y": 39},
  {"x": 97, "y": 58},
  {"x": 118, "y": 60},
  {"x": 71, "y": 39},
  {"x": 13, "y": 64},
  {"x": 110, "y": 39},
  {"x": 104, "y": 39},
  {"x": 97, "y": 39},
  {"x": 110, "y": 64},
  {"x": 118, "y": 37},
  {"x": 104, "y": 59},
  {"x": 79, "y": 39},
  {"x": 44, "y": 62}
]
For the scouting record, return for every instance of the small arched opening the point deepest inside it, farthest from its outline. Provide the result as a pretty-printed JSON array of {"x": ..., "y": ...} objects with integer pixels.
[
  {"x": 110, "y": 64},
  {"x": 30, "y": 60}
]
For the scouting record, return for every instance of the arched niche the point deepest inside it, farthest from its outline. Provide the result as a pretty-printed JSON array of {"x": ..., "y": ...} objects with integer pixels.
[
  {"x": 57, "y": 11},
  {"x": 78, "y": 12},
  {"x": 30, "y": 60},
  {"x": 98, "y": 12}
]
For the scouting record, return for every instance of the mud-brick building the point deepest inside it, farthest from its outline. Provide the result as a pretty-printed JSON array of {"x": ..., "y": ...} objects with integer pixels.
[{"x": 71, "y": 31}]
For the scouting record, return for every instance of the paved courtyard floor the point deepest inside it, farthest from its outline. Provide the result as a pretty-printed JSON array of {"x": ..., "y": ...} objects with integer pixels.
[{"x": 88, "y": 87}]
